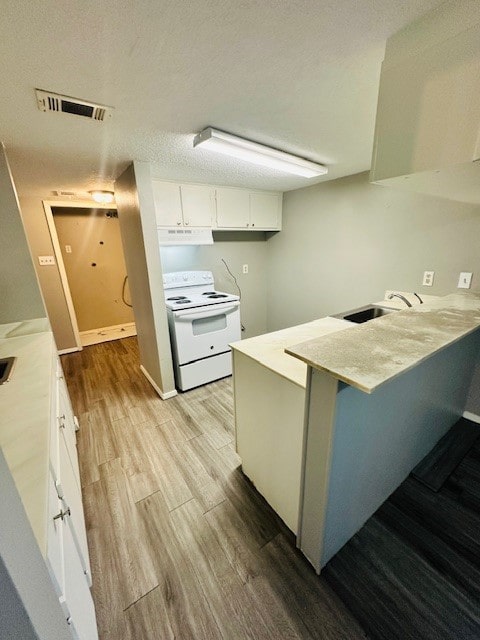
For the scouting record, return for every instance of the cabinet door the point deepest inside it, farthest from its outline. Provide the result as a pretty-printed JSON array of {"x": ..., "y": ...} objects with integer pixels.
[
  {"x": 197, "y": 205},
  {"x": 233, "y": 208},
  {"x": 66, "y": 569},
  {"x": 54, "y": 538},
  {"x": 265, "y": 210},
  {"x": 77, "y": 593},
  {"x": 168, "y": 206},
  {"x": 72, "y": 499},
  {"x": 438, "y": 122},
  {"x": 66, "y": 424}
]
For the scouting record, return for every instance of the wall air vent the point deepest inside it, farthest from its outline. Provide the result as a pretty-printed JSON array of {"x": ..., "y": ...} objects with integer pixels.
[{"x": 48, "y": 101}]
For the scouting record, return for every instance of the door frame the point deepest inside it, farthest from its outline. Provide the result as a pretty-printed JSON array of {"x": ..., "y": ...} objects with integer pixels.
[{"x": 47, "y": 207}]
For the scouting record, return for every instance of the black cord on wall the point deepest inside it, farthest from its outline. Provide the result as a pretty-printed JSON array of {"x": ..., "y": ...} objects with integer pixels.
[
  {"x": 236, "y": 284},
  {"x": 123, "y": 293}
]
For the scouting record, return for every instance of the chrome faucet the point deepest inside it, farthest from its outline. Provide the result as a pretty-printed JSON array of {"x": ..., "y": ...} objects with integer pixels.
[{"x": 399, "y": 295}]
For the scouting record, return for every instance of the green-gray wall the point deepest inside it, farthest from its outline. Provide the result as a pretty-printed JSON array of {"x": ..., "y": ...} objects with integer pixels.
[
  {"x": 19, "y": 289},
  {"x": 346, "y": 241}
]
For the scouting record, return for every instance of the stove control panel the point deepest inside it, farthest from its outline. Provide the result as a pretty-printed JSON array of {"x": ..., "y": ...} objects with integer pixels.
[{"x": 186, "y": 279}]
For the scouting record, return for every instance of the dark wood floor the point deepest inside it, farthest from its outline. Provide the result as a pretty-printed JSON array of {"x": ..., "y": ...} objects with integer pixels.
[
  {"x": 413, "y": 570},
  {"x": 181, "y": 544}
]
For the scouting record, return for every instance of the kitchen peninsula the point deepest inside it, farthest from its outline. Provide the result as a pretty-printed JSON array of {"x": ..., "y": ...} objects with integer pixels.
[{"x": 378, "y": 398}]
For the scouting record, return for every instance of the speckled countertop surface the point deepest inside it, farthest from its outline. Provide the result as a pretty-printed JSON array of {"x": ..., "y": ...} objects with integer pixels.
[
  {"x": 26, "y": 413},
  {"x": 269, "y": 349},
  {"x": 373, "y": 353}
]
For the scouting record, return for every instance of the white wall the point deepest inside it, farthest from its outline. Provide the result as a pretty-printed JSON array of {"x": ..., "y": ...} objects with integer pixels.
[{"x": 346, "y": 241}]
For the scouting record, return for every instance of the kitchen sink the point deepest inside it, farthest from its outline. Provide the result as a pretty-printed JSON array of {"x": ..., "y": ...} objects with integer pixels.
[
  {"x": 366, "y": 313},
  {"x": 6, "y": 366}
]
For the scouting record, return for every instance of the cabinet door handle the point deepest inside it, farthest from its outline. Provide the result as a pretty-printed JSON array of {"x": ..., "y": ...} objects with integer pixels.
[
  {"x": 60, "y": 492},
  {"x": 62, "y": 514},
  {"x": 187, "y": 222},
  {"x": 179, "y": 223}
]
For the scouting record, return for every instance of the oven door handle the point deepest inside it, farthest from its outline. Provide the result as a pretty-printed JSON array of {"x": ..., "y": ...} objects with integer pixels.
[{"x": 210, "y": 313}]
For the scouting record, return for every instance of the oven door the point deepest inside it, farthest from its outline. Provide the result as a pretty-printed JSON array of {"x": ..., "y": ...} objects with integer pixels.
[{"x": 205, "y": 331}]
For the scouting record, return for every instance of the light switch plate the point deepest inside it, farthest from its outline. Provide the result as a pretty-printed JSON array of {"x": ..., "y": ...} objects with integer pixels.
[
  {"x": 45, "y": 261},
  {"x": 465, "y": 280}
]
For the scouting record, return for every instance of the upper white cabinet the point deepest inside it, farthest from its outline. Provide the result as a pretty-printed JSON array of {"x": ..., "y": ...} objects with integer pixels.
[
  {"x": 183, "y": 205},
  {"x": 428, "y": 113},
  {"x": 245, "y": 209},
  {"x": 207, "y": 206},
  {"x": 233, "y": 208},
  {"x": 266, "y": 210},
  {"x": 198, "y": 204}
]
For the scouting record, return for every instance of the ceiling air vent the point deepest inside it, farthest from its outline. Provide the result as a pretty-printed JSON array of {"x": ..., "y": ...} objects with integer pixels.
[
  {"x": 48, "y": 101},
  {"x": 64, "y": 194}
]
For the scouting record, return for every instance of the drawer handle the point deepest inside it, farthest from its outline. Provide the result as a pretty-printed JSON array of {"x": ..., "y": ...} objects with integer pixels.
[{"x": 62, "y": 514}]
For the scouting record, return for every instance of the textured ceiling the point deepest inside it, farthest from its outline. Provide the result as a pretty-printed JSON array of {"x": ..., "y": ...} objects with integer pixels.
[{"x": 299, "y": 75}]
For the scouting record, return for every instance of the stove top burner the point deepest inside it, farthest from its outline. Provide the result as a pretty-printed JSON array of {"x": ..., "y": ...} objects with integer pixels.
[
  {"x": 209, "y": 293},
  {"x": 177, "y": 298},
  {"x": 182, "y": 301},
  {"x": 217, "y": 295}
]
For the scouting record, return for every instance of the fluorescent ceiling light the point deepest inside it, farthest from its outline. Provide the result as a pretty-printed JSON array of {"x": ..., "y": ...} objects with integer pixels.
[
  {"x": 231, "y": 145},
  {"x": 102, "y": 197}
]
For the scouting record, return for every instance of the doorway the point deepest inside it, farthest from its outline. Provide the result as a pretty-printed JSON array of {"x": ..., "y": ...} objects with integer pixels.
[{"x": 91, "y": 262}]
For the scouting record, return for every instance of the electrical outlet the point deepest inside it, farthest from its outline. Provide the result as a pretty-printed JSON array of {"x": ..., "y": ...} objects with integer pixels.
[
  {"x": 465, "y": 280},
  {"x": 428, "y": 278},
  {"x": 68, "y": 248},
  {"x": 46, "y": 261},
  {"x": 245, "y": 268}
]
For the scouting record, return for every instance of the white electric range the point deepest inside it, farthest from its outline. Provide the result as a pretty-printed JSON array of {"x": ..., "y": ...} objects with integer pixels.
[{"x": 202, "y": 323}]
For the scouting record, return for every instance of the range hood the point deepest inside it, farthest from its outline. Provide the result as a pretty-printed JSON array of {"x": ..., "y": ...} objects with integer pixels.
[{"x": 183, "y": 236}]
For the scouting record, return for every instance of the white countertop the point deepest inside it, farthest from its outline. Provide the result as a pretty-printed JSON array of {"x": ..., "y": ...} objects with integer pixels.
[
  {"x": 375, "y": 352},
  {"x": 269, "y": 349},
  {"x": 25, "y": 410}
]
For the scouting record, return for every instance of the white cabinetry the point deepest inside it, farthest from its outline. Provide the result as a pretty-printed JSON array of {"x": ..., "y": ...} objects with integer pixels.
[
  {"x": 183, "y": 205},
  {"x": 233, "y": 208},
  {"x": 67, "y": 550},
  {"x": 428, "y": 113},
  {"x": 245, "y": 209}
]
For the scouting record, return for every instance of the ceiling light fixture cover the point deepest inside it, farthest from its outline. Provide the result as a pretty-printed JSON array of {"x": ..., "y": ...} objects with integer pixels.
[
  {"x": 256, "y": 153},
  {"x": 102, "y": 197}
]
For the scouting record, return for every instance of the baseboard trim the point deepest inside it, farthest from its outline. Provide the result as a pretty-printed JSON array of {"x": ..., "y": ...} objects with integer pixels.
[
  {"x": 105, "y": 334},
  {"x": 471, "y": 416},
  {"x": 163, "y": 395},
  {"x": 62, "y": 352}
]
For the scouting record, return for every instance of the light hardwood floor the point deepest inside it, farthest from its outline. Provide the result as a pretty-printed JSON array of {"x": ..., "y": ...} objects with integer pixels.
[{"x": 181, "y": 544}]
